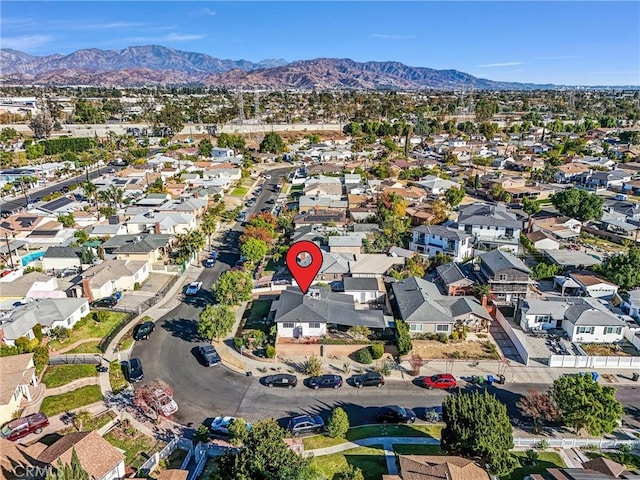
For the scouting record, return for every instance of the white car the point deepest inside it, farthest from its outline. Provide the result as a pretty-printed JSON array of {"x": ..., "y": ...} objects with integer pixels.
[
  {"x": 221, "y": 425},
  {"x": 193, "y": 288},
  {"x": 267, "y": 177}
]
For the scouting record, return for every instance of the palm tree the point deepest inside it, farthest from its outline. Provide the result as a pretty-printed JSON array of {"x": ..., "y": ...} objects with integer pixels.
[
  {"x": 208, "y": 226},
  {"x": 117, "y": 195},
  {"x": 89, "y": 188},
  {"x": 196, "y": 241}
]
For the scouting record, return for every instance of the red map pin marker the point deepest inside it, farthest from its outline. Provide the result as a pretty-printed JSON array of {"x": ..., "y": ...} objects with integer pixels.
[{"x": 305, "y": 270}]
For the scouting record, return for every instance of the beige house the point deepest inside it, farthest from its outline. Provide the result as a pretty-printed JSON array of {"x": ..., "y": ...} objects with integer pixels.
[
  {"x": 108, "y": 277},
  {"x": 17, "y": 373}
]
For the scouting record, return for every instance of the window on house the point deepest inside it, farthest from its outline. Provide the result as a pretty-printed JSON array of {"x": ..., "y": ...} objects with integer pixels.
[
  {"x": 288, "y": 325},
  {"x": 502, "y": 278},
  {"x": 415, "y": 327},
  {"x": 442, "y": 328},
  {"x": 69, "y": 321},
  {"x": 588, "y": 330},
  {"x": 314, "y": 325},
  {"x": 612, "y": 330}
]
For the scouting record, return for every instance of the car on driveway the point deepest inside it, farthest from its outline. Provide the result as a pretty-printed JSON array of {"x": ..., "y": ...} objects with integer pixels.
[
  {"x": 209, "y": 355},
  {"x": 21, "y": 427},
  {"x": 220, "y": 425},
  {"x": 441, "y": 380},
  {"x": 281, "y": 380},
  {"x": 395, "y": 414},
  {"x": 193, "y": 288},
  {"x": 251, "y": 203},
  {"x": 305, "y": 424},
  {"x": 209, "y": 262},
  {"x": 325, "y": 381},
  {"x": 369, "y": 379},
  {"x": 104, "y": 302},
  {"x": 133, "y": 370},
  {"x": 142, "y": 331}
]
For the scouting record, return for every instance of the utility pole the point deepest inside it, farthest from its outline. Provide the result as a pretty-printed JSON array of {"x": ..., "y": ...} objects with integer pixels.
[{"x": 6, "y": 239}]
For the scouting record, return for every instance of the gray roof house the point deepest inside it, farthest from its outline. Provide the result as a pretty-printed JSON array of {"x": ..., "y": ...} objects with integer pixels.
[
  {"x": 505, "y": 273},
  {"x": 419, "y": 303},
  {"x": 61, "y": 258},
  {"x": 454, "y": 280},
  {"x": 491, "y": 225}
]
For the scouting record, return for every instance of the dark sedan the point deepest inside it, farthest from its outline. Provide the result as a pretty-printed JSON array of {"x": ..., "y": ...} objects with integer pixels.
[
  {"x": 142, "y": 331},
  {"x": 395, "y": 414},
  {"x": 209, "y": 355},
  {"x": 133, "y": 370},
  {"x": 325, "y": 381},
  {"x": 281, "y": 380},
  {"x": 104, "y": 302}
]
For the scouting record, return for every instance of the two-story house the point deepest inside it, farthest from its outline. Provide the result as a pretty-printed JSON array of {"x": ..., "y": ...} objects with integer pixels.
[
  {"x": 492, "y": 226},
  {"x": 506, "y": 275},
  {"x": 430, "y": 240}
]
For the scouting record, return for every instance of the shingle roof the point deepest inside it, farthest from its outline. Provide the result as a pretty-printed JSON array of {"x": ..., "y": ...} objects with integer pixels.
[
  {"x": 498, "y": 260},
  {"x": 14, "y": 371},
  {"x": 490, "y": 215},
  {"x": 424, "y": 467},
  {"x": 63, "y": 252},
  {"x": 360, "y": 284},
  {"x": 451, "y": 273},
  {"x": 442, "y": 231},
  {"x": 44, "y": 311}
]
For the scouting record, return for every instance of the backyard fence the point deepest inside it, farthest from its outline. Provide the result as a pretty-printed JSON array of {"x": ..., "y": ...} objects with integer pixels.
[
  {"x": 86, "y": 358},
  {"x": 504, "y": 323},
  {"x": 572, "y": 361},
  {"x": 104, "y": 343},
  {"x": 152, "y": 462},
  {"x": 573, "y": 442}
]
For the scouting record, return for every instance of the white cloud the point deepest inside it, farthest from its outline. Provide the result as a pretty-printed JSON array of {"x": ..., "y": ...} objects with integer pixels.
[
  {"x": 560, "y": 57},
  {"x": 503, "y": 64},
  {"x": 208, "y": 11},
  {"x": 385, "y": 36},
  {"x": 25, "y": 42},
  {"x": 180, "y": 37},
  {"x": 109, "y": 25}
]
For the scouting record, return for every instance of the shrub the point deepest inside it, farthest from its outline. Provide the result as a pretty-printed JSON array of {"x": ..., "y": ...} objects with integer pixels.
[
  {"x": 404, "y": 338},
  {"x": 416, "y": 362},
  {"x": 37, "y": 331},
  {"x": 531, "y": 456},
  {"x": 384, "y": 368},
  {"x": 377, "y": 350},
  {"x": 364, "y": 356},
  {"x": 201, "y": 434},
  {"x": 312, "y": 367},
  {"x": 542, "y": 444},
  {"x": 455, "y": 336},
  {"x": 101, "y": 315},
  {"x": 270, "y": 351},
  {"x": 137, "y": 286},
  {"x": 238, "y": 342},
  {"x": 338, "y": 425},
  {"x": 443, "y": 338}
]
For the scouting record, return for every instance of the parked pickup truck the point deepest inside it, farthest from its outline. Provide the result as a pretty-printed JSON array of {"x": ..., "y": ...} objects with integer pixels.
[{"x": 22, "y": 427}]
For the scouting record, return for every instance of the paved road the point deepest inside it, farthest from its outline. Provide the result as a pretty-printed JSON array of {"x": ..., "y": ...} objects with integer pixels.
[{"x": 18, "y": 203}]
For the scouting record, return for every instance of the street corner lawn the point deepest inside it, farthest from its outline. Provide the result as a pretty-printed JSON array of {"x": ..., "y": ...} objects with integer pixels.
[
  {"x": 137, "y": 446},
  {"x": 116, "y": 377},
  {"x": 466, "y": 349},
  {"x": 545, "y": 460},
  {"x": 239, "y": 191},
  {"x": 368, "y": 431},
  {"x": 58, "y": 375},
  {"x": 368, "y": 459},
  {"x": 71, "y": 400},
  {"x": 255, "y": 313},
  {"x": 409, "y": 449},
  {"x": 88, "y": 327}
]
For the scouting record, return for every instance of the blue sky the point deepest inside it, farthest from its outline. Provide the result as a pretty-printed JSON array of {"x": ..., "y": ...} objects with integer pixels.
[{"x": 574, "y": 43}]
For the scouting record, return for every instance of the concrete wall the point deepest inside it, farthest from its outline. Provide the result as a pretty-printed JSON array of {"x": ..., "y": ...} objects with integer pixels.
[
  {"x": 522, "y": 351},
  {"x": 284, "y": 349},
  {"x": 570, "y": 361}
]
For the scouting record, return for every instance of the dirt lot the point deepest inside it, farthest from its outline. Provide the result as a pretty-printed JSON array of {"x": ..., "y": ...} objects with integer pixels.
[
  {"x": 471, "y": 349},
  {"x": 606, "y": 350}
]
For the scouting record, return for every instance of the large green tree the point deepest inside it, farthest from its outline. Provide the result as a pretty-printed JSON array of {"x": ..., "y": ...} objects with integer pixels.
[
  {"x": 264, "y": 456},
  {"x": 272, "y": 143},
  {"x": 171, "y": 116},
  {"x": 578, "y": 203},
  {"x": 254, "y": 250},
  {"x": 215, "y": 321},
  {"x": 338, "y": 425},
  {"x": 233, "y": 287},
  {"x": 454, "y": 196},
  {"x": 68, "y": 471},
  {"x": 477, "y": 425},
  {"x": 623, "y": 269},
  {"x": 585, "y": 404}
]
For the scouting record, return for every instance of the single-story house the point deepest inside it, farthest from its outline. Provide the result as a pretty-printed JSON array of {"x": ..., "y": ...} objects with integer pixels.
[
  {"x": 455, "y": 279},
  {"x": 571, "y": 259},
  {"x": 145, "y": 247},
  {"x": 599, "y": 468},
  {"x": 595, "y": 286},
  {"x": 108, "y": 277},
  {"x": 365, "y": 289},
  {"x": 436, "y": 185},
  {"x": 420, "y": 304},
  {"x": 541, "y": 240},
  {"x": 62, "y": 258},
  {"x": 585, "y": 319},
  {"x": 437, "y": 467},
  {"x": 297, "y": 315},
  {"x": 17, "y": 373}
]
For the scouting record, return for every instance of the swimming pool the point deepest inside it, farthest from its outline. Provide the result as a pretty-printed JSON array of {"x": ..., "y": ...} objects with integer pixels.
[{"x": 32, "y": 257}]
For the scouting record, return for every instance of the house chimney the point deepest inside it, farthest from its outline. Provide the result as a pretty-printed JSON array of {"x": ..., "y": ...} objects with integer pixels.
[
  {"x": 157, "y": 228},
  {"x": 483, "y": 301},
  {"x": 86, "y": 289},
  {"x": 195, "y": 195}
]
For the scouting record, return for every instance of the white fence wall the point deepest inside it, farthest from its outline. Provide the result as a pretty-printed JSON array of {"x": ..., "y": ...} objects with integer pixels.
[
  {"x": 570, "y": 361},
  {"x": 153, "y": 461},
  {"x": 567, "y": 443},
  {"x": 633, "y": 336},
  {"x": 522, "y": 351}
]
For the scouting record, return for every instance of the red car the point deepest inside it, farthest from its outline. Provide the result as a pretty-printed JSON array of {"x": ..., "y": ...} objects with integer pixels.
[
  {"x": 22, "y": 427},
  {"x": 441, "y": 380}
]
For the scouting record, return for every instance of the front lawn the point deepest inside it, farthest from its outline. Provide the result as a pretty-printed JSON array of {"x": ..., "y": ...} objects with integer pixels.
[
  {"x": 116, "y": 377},
  {"x": 358, "y": 433},
  {"x": 239, "y": 191},
  {"x": 629, "y": 460},
  {"x": 87, "y": 347},
  {"x": 68, "y": 401},
  {"x": 89, "y": 328},
  {"x": 545, "y": 460},
  {"x": 95, "y": 423},
  {"x": 368, "y": 459},
  {"x": 58, "y": 375},
  {"x": 137, "y": 446},
  {"x": 409, "y": 449},
  {"x": 254, "y": 314}
]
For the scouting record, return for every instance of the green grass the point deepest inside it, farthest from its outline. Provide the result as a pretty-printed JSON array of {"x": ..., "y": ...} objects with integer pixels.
[
  {"x": 88, "y": 328},
  {"x": 255, "y": 313},
  {"x": 210, "y": 467},
  {"x": 88, "y": 347},
  {"x": 126, "y": 343},
  {"x": 137, "y": 446},
  {"x": 58, "y": 375},
  {"x": 545, "y": 460},
  {"x": 94, "y": 424},
  {"x": 369, "y": 459},
  {"x": 68, "y": 401},
  {"x": 239, "y": 191},
  {"x": 357, "y": 433},
  {"x": 629, "y": 460},
  {"x": 296, "y": 188},
  {"x": 116, "y": 377},
  {"x": 408, "y": 449}
]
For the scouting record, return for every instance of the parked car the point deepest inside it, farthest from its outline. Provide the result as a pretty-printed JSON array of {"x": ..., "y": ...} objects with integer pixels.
[
  {"x": 251, "y": 203},
  {"x": 220, "y": 425},
  {"x": 162, "y": 403},
  {"x": 214, "y": 253},
  {"x": 133, "y": 370},
  {"x": 209, "y": 355},
  {"x": 440, "y": 380},
  {"x": 209, "y": 262},
  {"x": 21, "y": 427},
  {"x": 193, "y": 288},
  {"x": 242, "y": 216},
  {"x": 395, "y": 414},
  {"x": 325, "y": 381},
  {"x": 281, "y": 380},
  {"x": 433, "y": 414},
  {"x": 306, "y": 424},
  {"x": 106, "y": 302},
  {"x": 142, "y": 331},
  {"x": 267, "y": 176},
  {"x": 369, "y": 379}
]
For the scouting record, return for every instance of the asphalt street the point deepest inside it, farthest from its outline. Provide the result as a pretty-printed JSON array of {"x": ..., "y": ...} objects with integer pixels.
[{"x": 203, "y": 393}]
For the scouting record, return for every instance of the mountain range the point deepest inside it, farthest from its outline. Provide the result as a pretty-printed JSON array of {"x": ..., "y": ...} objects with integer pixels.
[{"x": 158, "y": 65}]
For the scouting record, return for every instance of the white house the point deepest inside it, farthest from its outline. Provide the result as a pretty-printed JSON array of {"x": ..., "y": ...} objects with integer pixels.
[
  {"x": 365, "y": 290},
  {"x": 586, "y": 320},
  {"x": 218, "y": 152},
  {"x": 430, "y": 240},
  {"x": 330, "y": 187},
  {"x": 595, "y": 286},
  {"x": 491, "y": 225},
  {"x": 542, "y": 241},
  {"x": 108, "y": 277},
  {"x": 165, "y": 223},
  {"x": 62, "y": 258},
  {"x": 17, "y": 373},
  {"x": 436, "y": 185}
]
